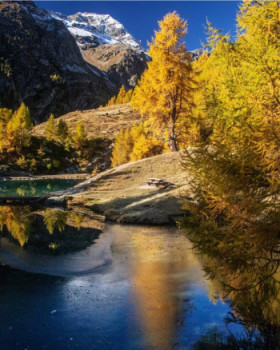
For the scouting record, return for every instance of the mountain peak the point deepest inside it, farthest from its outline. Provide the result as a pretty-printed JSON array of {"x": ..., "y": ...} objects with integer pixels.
[{"x": 97, "y": 29}]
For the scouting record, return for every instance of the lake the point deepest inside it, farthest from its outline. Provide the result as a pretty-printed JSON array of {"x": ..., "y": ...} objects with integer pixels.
[
  {"x": 129, "y": 287},
  {"x": 33, "y": 187}
]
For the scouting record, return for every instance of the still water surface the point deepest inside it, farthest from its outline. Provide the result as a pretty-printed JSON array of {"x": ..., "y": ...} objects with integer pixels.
[
  {"x": 33, "y": 187},
  {"x": 128, "y": 287}
]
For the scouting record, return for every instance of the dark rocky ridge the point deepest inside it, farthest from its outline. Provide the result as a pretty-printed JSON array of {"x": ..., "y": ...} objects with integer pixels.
[{"x": 41, "y": 65}]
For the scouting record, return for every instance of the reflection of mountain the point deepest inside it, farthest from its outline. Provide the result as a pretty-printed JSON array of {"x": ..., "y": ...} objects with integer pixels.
[
  {"x": 155, "y": 283},
  {"x": 50, "y": 231},
  {"x": 243, "y": 267}
]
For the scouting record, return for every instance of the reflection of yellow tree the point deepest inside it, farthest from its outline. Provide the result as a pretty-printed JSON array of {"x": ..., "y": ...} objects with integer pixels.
[
  {"x": 32, "y": 189},
  {"x": 244, "y": 267},
  {"x": 21, "y": 191},
  {"x": 55, "y": 218},
  {"x": 154, "y": 284},
  {"x": 78, "y": 220},
  {"x": 17, "y": 221}
]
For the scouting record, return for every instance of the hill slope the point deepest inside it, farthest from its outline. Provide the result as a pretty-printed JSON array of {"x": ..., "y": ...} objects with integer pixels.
[
  {"x": 122, "y": 195},
  {"x": 101, "y": 122},
  {"x": 102, "y": 125}
]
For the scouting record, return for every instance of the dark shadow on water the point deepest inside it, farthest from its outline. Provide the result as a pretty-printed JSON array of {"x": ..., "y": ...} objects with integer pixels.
[{"x": 12, "y": 278}]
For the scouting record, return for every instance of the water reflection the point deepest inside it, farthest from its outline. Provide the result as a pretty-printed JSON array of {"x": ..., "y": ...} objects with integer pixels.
[
  {"x": 33, "y": 187},
  {"x": 137, "y": 288},
  {"x": 51, "y": 231},
  {"x": 243, "y": 270},
  {"x": 156, "y": 283}
]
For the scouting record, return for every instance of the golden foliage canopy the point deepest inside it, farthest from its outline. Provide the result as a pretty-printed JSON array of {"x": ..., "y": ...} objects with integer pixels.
[
  {"x": 236, "y": 167},
  {"x": 136, "y": 143},
  {"x": 165, "y": 90}
]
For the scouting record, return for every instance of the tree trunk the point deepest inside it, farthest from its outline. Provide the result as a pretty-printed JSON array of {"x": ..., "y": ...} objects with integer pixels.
[{"x": 172, "y": 139}]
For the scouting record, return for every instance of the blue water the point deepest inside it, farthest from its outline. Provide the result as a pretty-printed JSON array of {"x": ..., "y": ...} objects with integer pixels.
[{"x": 134, "y": 288}]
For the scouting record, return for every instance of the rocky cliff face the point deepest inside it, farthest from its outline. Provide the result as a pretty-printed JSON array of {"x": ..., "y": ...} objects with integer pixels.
[
  {"x": 105, "y": 43},
  {"x": 122, "y": 64},
  {"x": 42, "y": 65}
]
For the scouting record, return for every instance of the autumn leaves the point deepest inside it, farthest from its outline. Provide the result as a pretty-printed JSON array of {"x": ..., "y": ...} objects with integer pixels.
[{"x": 164, "y": 94}]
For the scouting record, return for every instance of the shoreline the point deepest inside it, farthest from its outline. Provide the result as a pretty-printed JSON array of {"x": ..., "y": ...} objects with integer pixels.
[
  {"x": 122, "y": 196},
  {"x": 74, "y": 176}
]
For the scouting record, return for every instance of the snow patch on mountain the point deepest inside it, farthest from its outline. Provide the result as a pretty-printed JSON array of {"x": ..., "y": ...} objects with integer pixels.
[{"x": 95, "y": 29}]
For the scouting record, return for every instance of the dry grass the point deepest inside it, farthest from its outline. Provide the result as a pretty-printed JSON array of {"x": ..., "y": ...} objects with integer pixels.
[
  {"x": 103, "y": 122},
  {"x": 122, "y": 195}
]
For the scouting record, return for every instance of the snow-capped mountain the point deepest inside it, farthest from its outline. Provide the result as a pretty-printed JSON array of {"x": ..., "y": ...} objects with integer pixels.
[
  {"x": 56, "y": 63},
  {"x": 106, "y": 44},
  {"x": 96, "y": 29}
]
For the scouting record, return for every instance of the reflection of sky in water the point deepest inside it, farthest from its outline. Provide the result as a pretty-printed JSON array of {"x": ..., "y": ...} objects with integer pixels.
[
  {"x": 205, "y": 316},
  {"x": 32, "y": 187},
  {"x": 151, "y": 295}
]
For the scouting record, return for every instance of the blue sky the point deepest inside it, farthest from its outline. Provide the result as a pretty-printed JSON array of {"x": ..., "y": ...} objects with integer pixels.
[{"x": 141, "y": 17}]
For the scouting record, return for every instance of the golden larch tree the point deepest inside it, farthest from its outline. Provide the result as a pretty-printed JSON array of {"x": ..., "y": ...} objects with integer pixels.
[
  {"x": 51, "y": 128},
  {"x": 80, "y": 136},
  {"x": 18, "y": 130},
  {"x": 166, "y": 87}
]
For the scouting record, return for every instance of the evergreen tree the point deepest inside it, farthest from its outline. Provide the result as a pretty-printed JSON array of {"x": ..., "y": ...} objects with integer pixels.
[
  {"x": 122, "y": 97},
  {"x": 122, "y": 148},
  {"x": 165, "y": 91},
  {"x": 112, "y": 101},
  {"x": 5, "y": 115}
]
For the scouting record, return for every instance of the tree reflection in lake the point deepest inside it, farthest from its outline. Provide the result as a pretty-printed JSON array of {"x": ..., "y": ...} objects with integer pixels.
[
  {"x": 55, "y": 218},
  {"x": 17, "y": 222},
  {"x": 243, "y": 269},
  {"x": 50, "y": 231}
]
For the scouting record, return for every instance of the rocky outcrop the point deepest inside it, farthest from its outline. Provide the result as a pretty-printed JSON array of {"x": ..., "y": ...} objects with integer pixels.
[
  {"x": 195, "y": 54},
  {"x": 122, "y": 64},
  {"x": 41, "y": 64}
]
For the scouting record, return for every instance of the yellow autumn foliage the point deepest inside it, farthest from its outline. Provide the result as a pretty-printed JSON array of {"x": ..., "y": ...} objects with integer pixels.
[
  {"x": 136, "y": 143},
  {"x": 122, "y": 97},
  {"x": 236, "y": 166},
  {"x": 165, "y": 91}
]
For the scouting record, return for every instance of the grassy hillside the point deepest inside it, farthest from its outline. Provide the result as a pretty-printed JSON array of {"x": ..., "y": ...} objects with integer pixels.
[
  {"x": 122, "y": 194},
  {"x": 102, "y": 125},
  {"x": 103, "y": 122}
]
